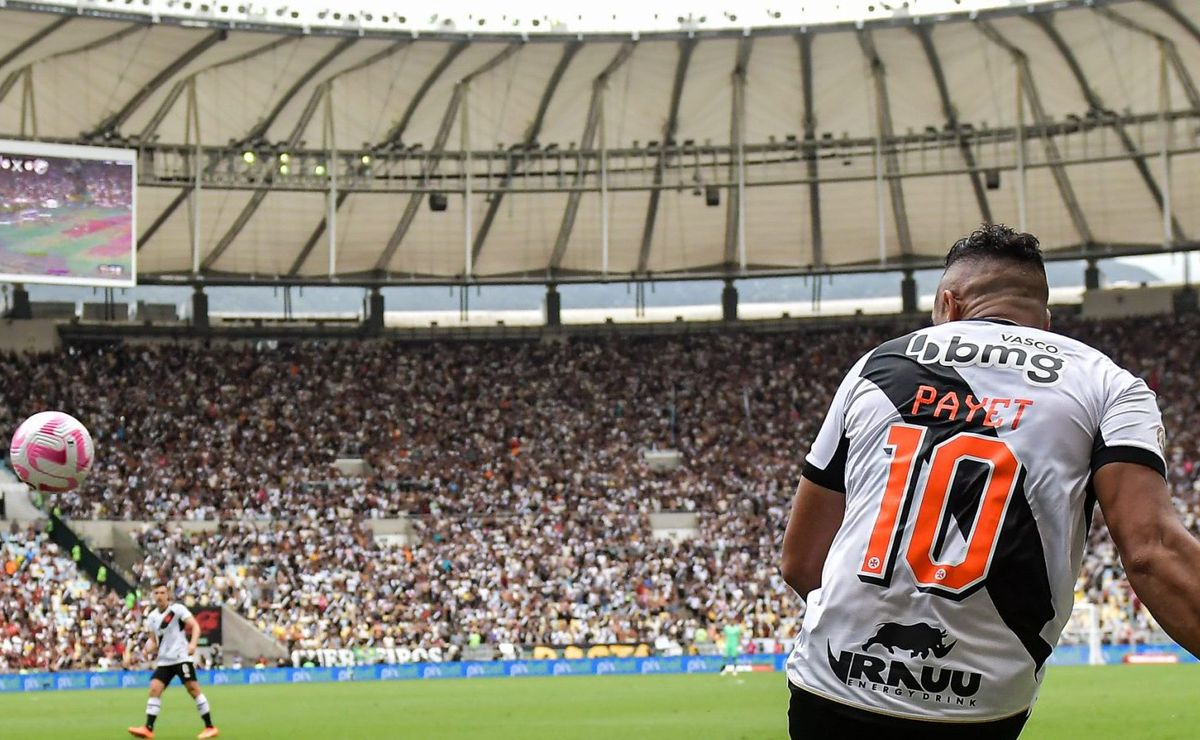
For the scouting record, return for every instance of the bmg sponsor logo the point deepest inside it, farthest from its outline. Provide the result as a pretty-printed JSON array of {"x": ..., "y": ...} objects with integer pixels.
[{"x": 1038, "y": 362}]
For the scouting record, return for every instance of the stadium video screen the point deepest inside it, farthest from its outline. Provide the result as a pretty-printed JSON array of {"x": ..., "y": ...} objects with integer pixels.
[{"x": 67, "y": 214}]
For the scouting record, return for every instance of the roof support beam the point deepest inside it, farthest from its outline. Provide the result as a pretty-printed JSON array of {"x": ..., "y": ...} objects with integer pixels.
[
  {"x": 1053, "y": 156},
  {"x": 1168, "y": 46},
  {"x": 259, "y": 131},
  {"x": 161, "y": 218},
  {"x": 810, "y": 147},
  {"x": 591, "y": 123},
  {"x": 734, "y": 228},
  {"x": 686, "y": 47},
  {"x": 1096, "y": 106},
  {"x": 180, "y": 86},
  {"x": 315, "y": 236},
  {"x": 531, "y": 134},
  {"x": 22, "y": 47},
  {"x": 1169, "y": 8},
  {"x": 310, "y": 109},
  {"x": 113, "y": 122},
  {"x": 883, "y": 126},
  {"x": 111, "y": 38},
  {"x": 239, "y": 223},
  {"x": 925, "y": 34},
  {"x": 396, "y": 135},
  {"x": 434, "y": 160}
]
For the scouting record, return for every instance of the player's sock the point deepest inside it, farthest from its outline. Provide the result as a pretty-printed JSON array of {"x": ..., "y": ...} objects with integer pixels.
[
  {"x": 153, "y": 705},
  {"x": 202, "y": 708}
]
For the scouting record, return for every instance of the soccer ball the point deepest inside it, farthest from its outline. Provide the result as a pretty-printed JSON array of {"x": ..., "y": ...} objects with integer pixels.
[{"x": 52, "y": 452}]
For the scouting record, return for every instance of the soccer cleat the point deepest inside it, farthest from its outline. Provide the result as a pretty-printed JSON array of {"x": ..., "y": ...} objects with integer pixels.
[
  {"x": 142, "y": 731},
  {"x": 208, "y": 732}
]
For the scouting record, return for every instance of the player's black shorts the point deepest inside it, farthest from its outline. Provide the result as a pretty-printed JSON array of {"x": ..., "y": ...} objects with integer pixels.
[
  {"x": 186, "y": 672},
  {"x": 811, "y": 717}
]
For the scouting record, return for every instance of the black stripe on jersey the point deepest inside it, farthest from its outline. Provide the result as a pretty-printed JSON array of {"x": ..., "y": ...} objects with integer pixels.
[
  {"x": 1103, "y": 455},
  {"x": 833, "y": 475},
  {"x": 972, "y": 477},
  {"x": 1018, "y": 582}
]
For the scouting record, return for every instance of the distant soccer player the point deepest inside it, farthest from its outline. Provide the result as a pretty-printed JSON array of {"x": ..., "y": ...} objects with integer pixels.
[
  {"x": 733, "y": 641},
  {"x": 940, "y": 524},
  {"x": 176, "y": 651}
]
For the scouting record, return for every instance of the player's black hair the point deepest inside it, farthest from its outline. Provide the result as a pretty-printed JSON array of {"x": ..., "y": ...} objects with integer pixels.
[{"x": 998, "y": 242}]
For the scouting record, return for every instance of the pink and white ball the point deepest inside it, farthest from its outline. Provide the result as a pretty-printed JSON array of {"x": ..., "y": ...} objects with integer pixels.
[{"x": 52, "y": 452}]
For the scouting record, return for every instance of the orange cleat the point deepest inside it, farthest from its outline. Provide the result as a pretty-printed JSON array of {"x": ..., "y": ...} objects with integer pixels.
[
  {"x": 208, "y": 732},
  {"x": 142, "y": 731}
]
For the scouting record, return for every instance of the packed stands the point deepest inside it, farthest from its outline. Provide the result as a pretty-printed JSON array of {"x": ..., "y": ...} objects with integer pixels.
[
  {"x": 51, "y": 615},
  {"x": 594, "y": 575},
  {"x": 520, "y": 465}
]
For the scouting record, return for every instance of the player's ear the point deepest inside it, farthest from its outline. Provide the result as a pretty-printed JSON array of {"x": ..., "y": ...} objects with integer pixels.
[
  {"x": 949, "y": 308},
  {"x": 1046, "y": 323}
]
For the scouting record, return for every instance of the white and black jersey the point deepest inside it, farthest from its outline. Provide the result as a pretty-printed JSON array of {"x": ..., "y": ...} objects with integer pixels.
[
  {"x": 965, "y": 452},
  {"x": 172, "y": 636}
]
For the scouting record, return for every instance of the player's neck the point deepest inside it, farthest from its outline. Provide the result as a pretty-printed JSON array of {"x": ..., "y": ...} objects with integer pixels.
[{"x": 1031, "y": 316}]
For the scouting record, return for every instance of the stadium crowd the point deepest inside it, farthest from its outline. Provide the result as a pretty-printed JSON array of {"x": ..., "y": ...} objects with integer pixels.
[
  {"x": 521, "y": 465},
  {"x": 56, "y": 182},
  {"x": 52, "y": 616},
  {"x": 594, "y": 575}
]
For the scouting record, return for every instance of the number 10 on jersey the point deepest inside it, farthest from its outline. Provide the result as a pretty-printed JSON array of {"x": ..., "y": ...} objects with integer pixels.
[{"x": 955, "y": 580}]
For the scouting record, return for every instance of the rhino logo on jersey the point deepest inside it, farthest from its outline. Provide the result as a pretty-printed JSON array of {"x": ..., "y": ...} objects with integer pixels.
[{"x": 918, "y": 639}]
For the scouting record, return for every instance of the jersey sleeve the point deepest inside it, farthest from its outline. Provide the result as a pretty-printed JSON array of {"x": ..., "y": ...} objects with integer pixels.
[
  {"x": 182, "y": 613},
  {"x": 1131, "y": 428},
  {"x": 825, "y": 464}
]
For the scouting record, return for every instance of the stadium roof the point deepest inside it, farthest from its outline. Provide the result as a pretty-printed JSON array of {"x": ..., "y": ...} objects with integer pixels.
[{"x": 844, "y": 146}]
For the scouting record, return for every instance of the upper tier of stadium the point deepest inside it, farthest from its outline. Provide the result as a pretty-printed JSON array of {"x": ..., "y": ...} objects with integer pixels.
[{"x": 283, "y": 151}]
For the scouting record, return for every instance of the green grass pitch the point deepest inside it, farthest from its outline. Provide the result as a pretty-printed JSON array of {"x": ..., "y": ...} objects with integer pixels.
[{"x": 1094, "y": 703}]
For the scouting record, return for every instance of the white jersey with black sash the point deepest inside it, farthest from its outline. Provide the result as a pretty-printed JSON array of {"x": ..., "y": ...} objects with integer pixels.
[
  {"x": 172, "y": 637},
  {"x": 965, "y": 452}
]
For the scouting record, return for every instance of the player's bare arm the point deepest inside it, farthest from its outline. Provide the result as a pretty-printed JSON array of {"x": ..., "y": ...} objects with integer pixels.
[
  {"x": 193, "y": 628},
  {"x": 816, "y": 516},
  {"x": 151, "y": 647},
  {"x": 1161, "y": 557}
]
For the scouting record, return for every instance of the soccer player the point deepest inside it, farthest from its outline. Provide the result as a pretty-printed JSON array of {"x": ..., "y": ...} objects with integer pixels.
[
  {"x": 733, "y": 641},
  {"x": 733, "y": 647},
  {"x": 167, "y": 624},
  {"x": 940, "y": 522}
]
